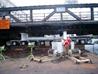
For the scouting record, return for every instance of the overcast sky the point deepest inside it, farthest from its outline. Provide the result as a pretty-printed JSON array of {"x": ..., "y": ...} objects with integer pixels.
[{"x": 46, "y": 2}]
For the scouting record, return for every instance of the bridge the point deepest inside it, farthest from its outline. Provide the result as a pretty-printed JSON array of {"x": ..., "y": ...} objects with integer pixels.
[
  {"x": 50, "y": 19},
  {"x": 79, "y": 12}
]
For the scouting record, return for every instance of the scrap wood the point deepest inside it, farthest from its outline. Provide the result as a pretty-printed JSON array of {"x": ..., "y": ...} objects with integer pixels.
[
  {"x": 80, "y": 60},
  {"x": 46, "y": 59},
  {"x": 41, "y": 59}
]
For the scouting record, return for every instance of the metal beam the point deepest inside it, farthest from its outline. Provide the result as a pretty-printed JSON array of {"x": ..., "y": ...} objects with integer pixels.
[
  {"x": 43, "y": 38},
  {"x": 31, "y": 15},
  {"x": 48, "y": 7},
  {"x": 4, "y": 14},
  {"x": 51, "y": 23},
  {"x": 72, "y": 14},
  {"x": 15, "y": 18},
  {"x": 92, "y": 13},
  {"x": 61, "y": 16},
  {"x": 47, "y": 17}
]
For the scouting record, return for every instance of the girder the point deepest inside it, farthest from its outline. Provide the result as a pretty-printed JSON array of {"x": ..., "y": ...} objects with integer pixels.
[
  {"x": 57, "y": 9},
  {"x": 51, "y": 23},
  {"x": 49, "y": 7}
]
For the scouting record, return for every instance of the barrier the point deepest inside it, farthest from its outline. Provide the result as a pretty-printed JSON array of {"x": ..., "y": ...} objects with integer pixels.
[{"x": 4, "y": 24}]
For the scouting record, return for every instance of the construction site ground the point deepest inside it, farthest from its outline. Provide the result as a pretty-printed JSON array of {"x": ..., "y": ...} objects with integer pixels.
[{"x": 22, "y": 65}]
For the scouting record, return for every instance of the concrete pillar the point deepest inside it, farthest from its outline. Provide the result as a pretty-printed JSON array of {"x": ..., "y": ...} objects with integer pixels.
[{"x": 65, "y": 35}]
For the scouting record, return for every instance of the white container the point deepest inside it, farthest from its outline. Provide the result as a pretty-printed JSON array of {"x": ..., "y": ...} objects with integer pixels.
[
  {"x": 24, "y": 36},
  {"x": 57, "y": 47}
]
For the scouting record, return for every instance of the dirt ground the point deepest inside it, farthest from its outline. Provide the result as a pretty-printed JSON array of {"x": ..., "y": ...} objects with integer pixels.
[{"x": 24, "y": 66}]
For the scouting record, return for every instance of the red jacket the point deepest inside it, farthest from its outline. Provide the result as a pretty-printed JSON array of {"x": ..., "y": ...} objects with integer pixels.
[{"x": 67, "y": 42}]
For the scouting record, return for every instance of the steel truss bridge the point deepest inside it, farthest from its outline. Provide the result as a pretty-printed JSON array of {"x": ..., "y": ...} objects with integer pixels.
[{"x": 50, "y": 19}]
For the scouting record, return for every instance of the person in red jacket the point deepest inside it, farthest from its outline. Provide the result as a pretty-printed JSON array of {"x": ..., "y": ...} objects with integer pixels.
[{"x": 66, "y": 44}]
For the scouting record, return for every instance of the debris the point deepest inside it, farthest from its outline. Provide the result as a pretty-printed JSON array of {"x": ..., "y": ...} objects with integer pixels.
[
  {"x": 23, "y": 67},
  {"x": 79, "y": 60}
]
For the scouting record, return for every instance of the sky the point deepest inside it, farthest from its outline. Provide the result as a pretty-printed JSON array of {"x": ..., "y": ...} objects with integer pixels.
[{"x": 46, "y": 2}]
